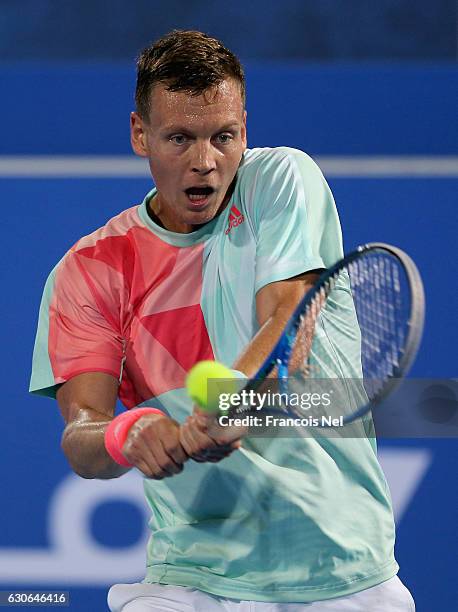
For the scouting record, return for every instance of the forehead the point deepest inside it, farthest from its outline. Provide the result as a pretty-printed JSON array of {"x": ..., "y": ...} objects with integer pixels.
[{"x": 222, "y": 103}]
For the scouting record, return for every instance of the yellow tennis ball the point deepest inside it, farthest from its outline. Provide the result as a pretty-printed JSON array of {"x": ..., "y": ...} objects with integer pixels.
[{"x": 202, "y": 390}]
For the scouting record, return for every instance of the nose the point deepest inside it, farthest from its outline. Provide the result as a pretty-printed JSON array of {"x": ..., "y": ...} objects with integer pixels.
[{"x": 203, "y": 160}]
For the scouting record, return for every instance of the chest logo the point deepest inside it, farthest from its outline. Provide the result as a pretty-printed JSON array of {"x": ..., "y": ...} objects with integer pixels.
[{"x": 236, "y": 218}]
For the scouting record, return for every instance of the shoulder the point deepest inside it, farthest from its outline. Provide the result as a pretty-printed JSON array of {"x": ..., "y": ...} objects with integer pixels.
[
  {"x": 108, "y": 250},
  {"x": 116, "y": 228},
  {"x": 270, "y": 162},
  {"x": 271, "y": 180}
]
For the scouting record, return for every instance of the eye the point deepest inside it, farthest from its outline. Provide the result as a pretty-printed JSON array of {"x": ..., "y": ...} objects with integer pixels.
[
  {"x": 178, "y": 139},
  {"x": 224, "y": 138}
]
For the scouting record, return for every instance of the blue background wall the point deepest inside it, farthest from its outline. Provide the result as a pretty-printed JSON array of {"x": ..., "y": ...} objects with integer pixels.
[
  {"x": 61, "y": 532},
  {"x": 258, "y": 29}
]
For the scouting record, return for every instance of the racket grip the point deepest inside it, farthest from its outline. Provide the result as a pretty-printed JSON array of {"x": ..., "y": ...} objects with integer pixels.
[{"x": 118, "y": 430}]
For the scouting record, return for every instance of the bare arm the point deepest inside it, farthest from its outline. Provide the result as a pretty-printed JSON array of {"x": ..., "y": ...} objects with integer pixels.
[
  {"x": 275, "y": 304},
  {"x": 87, "y": 403}
]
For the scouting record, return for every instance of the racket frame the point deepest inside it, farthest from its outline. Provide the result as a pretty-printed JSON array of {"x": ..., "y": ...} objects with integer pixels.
[{"x": 281, "y": 352}]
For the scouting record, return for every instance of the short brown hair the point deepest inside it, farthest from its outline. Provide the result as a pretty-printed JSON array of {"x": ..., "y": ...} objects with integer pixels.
[{"x": 185, "y": 60}]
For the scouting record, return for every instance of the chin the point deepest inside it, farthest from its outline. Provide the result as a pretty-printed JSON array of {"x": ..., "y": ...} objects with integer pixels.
[
  {"x": 203, "y": 216},
  {"x": 200, "y": 218}
]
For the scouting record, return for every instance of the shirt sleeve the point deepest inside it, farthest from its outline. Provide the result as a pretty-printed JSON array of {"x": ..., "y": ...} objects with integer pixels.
[
  {"x": 295, "y": 218},
  {"x": 77, "y": 330}
]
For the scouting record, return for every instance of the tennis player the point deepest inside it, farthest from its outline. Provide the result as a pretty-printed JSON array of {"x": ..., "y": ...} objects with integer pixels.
[{"x": 210, "y": 266}]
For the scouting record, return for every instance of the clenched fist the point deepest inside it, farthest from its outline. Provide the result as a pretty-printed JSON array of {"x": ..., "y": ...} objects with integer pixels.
[
  {"x": 158, "y": 446},
  {"x": 153, "y": 446},
  {"x": 202, "y": 442}
]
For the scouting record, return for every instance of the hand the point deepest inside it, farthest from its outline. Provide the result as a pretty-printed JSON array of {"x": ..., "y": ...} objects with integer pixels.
[
  {"x": 153, "y": 446},
  {"x": 204, "y": 441}
]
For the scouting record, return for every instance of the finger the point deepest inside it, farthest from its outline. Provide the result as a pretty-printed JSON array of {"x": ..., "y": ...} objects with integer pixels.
[
  {"x": 192, "y": 439},
  {"x": 193, "y": 435},
  {"x": 202, "y": 448},
  {"x": 200, "y": 451},
  {"x": 221, "y": 449},
  {"x": 199, "y": 458},
  {"x": 217, "y": 459},
  {"x": 219, "y": 436},
  {"x": 137, "y": 451},
  {"x": 203, "y": 421},
  {"x": 226, "y": 435},
  {"x": 138, "y": 448},
  {"x": 150, "y": 471},
  {"x": 174, "y": 449},
  {"x": 165, "y": 461},
  {"x": 214, "y": 456}
]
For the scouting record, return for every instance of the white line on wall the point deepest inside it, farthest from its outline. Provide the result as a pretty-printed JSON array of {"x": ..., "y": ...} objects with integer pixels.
[{"x": 118, "y": 166}]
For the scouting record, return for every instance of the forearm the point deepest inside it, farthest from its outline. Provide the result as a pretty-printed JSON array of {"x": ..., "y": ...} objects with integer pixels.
[
  {"x": 83, "y": 443},
  {"x": 275, "y": 303},
  {"x": 261, "y": 345}
]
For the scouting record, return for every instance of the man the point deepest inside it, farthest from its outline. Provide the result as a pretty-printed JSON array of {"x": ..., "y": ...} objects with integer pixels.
[{"x": 210, "y": 266}]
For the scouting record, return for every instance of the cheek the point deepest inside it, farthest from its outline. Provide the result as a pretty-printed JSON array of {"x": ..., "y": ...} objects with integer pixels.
[
  {"x": 233, "y": 162},
  {"x": 162, "y": 172}
]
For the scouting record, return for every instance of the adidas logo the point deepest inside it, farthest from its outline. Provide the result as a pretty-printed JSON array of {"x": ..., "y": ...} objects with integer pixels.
[{"x": 235, "y": 218}]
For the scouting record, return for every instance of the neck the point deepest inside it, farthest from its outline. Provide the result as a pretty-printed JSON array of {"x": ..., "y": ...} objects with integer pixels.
[{"x": 158, "y": 214}]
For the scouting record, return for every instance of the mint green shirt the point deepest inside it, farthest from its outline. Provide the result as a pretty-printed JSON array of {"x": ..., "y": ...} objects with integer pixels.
[{"x": 294, "y": 520}]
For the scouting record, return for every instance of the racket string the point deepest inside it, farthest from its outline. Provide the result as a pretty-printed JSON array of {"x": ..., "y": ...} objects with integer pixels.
[{"x": 327, "y": 346}]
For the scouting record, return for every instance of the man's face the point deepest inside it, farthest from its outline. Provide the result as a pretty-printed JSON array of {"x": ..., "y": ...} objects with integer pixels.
[{"x": 194, "y": 145}]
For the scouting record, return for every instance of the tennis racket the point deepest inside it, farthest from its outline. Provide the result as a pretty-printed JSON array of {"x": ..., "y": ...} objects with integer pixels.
[{"x": 358, "y": 328}]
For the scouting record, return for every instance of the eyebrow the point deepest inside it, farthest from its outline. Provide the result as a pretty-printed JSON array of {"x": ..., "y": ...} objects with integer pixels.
[{"x": 179, "y": 128}]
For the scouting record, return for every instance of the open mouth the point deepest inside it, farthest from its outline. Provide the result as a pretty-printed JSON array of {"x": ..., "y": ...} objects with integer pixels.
[{"x": 199, "y": 195}]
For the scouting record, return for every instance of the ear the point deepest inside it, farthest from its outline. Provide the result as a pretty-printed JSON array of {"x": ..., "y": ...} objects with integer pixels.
[
  {"x": 138, "y": 137},
  {"x": 244, "y": 138}
]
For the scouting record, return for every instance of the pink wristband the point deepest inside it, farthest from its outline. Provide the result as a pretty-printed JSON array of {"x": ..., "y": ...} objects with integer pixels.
[{"x": 117, "y": 431}]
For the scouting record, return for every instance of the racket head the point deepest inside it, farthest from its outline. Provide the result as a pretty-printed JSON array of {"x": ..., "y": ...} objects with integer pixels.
[
  {"x": 387, "y": 294},
  {"x": 414, "y": 322}
]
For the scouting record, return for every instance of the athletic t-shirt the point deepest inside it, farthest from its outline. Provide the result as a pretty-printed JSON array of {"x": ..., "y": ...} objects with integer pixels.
[{"x": 299, "y": 519}]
